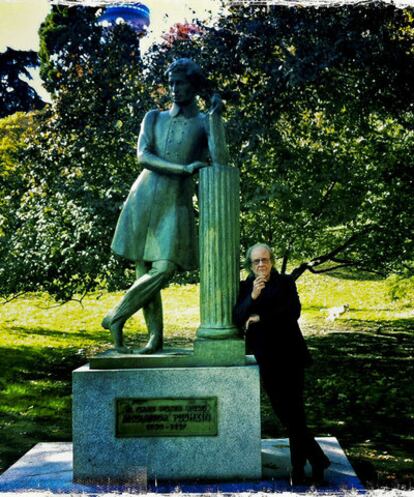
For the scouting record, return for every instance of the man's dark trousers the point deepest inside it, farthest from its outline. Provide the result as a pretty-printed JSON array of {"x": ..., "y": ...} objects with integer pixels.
[{"x": 284, "y": 386}]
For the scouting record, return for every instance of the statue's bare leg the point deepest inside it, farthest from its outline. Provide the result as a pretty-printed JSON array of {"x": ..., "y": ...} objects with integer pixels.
[
  {"x": 141, "y": 293},
  {"x": 117, "y": 334},
  {"x": 152, "y": 311},
  {"x": 154, "y": 321}
]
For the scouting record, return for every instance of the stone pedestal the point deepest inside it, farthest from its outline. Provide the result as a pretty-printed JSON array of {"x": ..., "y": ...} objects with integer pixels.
[
  {"x": 227, "y": 448},
  {"x": 47, "y": 469},
  {"x": 214, "y": 353}
]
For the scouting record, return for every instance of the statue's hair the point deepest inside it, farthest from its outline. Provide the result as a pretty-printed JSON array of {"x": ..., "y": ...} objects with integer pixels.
[
  {"x": 191, "y": 70},
  {"x": 248, "y": 258}
]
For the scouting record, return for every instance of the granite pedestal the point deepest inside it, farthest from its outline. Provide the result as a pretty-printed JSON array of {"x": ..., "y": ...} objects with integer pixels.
[
  {"x": 47, "y": 467},
  {"x": 230, "y": 450}
]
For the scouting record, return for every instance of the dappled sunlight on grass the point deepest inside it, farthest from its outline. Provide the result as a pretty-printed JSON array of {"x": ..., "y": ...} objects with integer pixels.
[
  {"x": 321, "y": 292},
  {"x": 182, "y": 316},
  {"x": 359, "y": 389}
]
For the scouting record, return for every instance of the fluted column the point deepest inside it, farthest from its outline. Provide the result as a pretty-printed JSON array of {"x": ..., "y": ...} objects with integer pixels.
[
  {"x": 219, "y": 237},
  {"x": 219, "y": 250}
]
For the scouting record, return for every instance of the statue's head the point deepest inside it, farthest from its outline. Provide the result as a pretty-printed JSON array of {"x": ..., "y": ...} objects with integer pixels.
[{"x": 185, "y": 80}]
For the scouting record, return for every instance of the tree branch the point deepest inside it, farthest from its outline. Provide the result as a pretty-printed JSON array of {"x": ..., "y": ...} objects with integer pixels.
[
  {"x": 322, "y": 205},
  {"x": 16, "y": 296},
  {"x": 317, "y": 261},
  {"x": 298, "y": 271},
  {"x": 327, "y": 270},
  {"x": 342, "y": 261},
  {"x": 284, "y": 262},
  {"x": 330, "y": 256}
]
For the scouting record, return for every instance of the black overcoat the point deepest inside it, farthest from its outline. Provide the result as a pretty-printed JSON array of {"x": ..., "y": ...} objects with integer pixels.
[{"x": 276, "y": 338}]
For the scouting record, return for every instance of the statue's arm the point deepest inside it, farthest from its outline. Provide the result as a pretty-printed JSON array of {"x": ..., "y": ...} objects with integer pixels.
[
  {"x": 216, "y": 135},
  {"x": 149, "y": 160}
]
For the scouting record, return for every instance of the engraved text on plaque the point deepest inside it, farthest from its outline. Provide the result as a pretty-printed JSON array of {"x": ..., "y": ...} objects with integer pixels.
[{"x": 166, "y": 417}]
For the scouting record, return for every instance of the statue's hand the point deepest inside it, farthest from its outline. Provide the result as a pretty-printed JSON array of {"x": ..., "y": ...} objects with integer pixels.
[
  {"x": 217, "y": 105},
  {"x": 195, "y": 166}
]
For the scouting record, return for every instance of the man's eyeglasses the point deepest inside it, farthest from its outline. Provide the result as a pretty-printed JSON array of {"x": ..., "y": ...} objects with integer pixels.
[{"x": 264, "y": 260}]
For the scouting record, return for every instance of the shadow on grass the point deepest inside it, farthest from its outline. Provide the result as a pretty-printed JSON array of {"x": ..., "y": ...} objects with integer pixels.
[
  {"x": 397, "y": 328},
  {"x": 359, "y": 389},
  {"x": 35, "y": 389},
  {"x": 96, "y": 335},
  {"x": 354, "y": 274},
  {"x": 35, "y": 402}
]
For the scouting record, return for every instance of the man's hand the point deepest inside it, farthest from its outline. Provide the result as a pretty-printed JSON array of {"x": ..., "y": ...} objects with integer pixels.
[
  {"x": 217, "y": 105},
  {"x": 195, "y": 166},
  {"x": 258, "y": 285},
  {"x": 254, "y": 318}
]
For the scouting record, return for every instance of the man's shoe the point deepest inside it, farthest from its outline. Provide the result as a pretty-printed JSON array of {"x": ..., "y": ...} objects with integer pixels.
[
  {"x": 318, "y": 472},
  {"x": 297, "y": 476}
]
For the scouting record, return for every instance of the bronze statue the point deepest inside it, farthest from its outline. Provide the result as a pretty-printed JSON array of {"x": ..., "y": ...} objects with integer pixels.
[{"x": 156, "y": 228}]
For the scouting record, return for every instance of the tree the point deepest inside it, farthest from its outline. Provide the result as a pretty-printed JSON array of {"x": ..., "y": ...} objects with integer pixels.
[
  {"x": 82, "y": 161},
  {"x": 15, "y": 131},
  {"x": 181, "y": 31},
  {"x": 320, "y": 109},
  {"x": 15, "y": 93},
  {"x": 320, "y": 117}
]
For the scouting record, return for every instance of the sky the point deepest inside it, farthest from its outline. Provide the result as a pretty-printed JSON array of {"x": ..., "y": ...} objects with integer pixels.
[{"x": 21, "y": 19}]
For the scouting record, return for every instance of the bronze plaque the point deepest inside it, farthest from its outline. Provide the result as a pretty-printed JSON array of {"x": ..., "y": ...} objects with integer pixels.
[{"x": 177, "y": 417}]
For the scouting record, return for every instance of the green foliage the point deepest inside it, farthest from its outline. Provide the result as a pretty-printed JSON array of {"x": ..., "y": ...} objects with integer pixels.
[
  {"x": 81, "y": 163},
  {"x": 402, "y": 289},
  {"x": 15, "y": 132},
  {"x": 15, "y": 93},
  {"x": 320, "y": 119},
  {"x": 320, "y": 111}
]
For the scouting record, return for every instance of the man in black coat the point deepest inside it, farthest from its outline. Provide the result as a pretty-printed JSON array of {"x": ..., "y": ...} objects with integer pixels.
[{"x": 267, "y": 310}]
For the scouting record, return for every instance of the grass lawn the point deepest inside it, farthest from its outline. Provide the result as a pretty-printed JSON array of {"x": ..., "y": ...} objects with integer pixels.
[{"x": 360, "y": 388}]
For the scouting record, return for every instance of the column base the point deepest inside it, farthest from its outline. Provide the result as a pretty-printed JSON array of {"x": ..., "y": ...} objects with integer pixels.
[
  {"x": 218, "y": 352},
  {"x": 218, "y": 333}
]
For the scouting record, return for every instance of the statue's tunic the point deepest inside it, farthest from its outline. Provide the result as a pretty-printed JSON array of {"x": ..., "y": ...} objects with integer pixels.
[{"x": 157, "y": 220}]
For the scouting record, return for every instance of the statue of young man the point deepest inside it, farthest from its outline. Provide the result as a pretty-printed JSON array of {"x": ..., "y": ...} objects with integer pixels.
[{"x": 156, "y": 228}]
